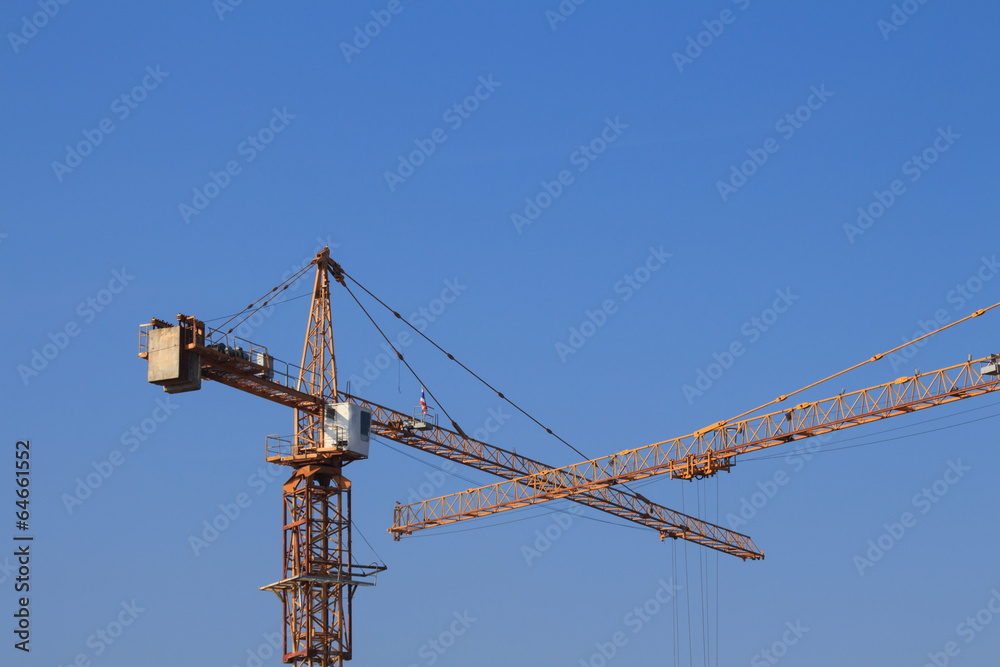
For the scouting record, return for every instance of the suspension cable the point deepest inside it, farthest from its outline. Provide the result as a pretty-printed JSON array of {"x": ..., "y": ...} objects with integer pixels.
[
  {"x": 466, "y": 368},
  {"x": 276, "y": 303},
  {"x": 404, "y": 361},
  {"x": 380, "y": 560},
  {"x": 868, "y": 361},
  {"x": 279, "y": 288}
]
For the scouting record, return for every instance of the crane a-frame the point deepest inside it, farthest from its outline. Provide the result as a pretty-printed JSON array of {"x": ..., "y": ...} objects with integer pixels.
[{"x": 333, "y": 429}]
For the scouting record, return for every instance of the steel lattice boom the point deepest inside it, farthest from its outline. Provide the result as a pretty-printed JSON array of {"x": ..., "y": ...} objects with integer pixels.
[
  {"x": 619, "y": 502},
  {"x": 705, "y": 452},
  {"x": 392, "y": 425}
]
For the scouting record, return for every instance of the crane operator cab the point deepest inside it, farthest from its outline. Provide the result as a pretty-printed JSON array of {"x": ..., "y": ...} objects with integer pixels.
[{"x": 346, "y": 428}]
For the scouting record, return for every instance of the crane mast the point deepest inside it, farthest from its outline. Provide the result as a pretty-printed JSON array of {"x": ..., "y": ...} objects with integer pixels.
[{"x": 319, "y": 578}]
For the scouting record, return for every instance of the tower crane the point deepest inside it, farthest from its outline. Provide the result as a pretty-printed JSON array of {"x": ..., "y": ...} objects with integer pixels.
[{"x": 333, "y": 428}]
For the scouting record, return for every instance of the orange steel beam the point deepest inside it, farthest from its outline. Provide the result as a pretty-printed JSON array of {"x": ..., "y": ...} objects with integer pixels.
[
  {"x": 318, "y": 585},
  {"x": 319, "y": 580},
  {"x": 707, "y": 451},
  {"x": 448, "y": 444},
  {"x": 246, "y": 376},
  {"x": 621, "y": 503},
  {"x": 318, "y": 374},
  {"x": 240, "y": 375}
]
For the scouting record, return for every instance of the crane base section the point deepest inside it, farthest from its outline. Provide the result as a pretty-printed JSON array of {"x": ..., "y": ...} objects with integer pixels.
[{"x": 319, "y": 577}]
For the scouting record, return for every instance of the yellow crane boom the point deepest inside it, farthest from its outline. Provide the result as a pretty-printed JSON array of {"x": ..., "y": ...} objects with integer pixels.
[{"x": 705, "y": 452}]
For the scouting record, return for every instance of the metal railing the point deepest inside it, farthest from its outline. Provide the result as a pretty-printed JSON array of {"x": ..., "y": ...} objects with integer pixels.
[
  {"x": 430, "y": 418},
  {"x": 263, "y": 364},
  {"x": 251, "y": 357},
  {"x": 277, "y": 446},
  {"x": 144, "y": 339}
]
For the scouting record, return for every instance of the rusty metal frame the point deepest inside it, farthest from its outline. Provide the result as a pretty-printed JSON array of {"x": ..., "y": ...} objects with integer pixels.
[{"x": 319, "y": 579}]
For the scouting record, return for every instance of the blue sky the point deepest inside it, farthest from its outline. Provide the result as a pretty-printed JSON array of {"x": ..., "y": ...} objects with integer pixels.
[{"x": 839, "y": 159}]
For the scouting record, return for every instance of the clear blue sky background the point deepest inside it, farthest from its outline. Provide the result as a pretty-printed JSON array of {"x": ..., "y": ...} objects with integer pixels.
[{"x": 322, "y": 180}]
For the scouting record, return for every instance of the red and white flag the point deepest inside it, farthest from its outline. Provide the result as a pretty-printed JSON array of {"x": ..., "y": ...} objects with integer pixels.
[{"x": 423, "y": 402}]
